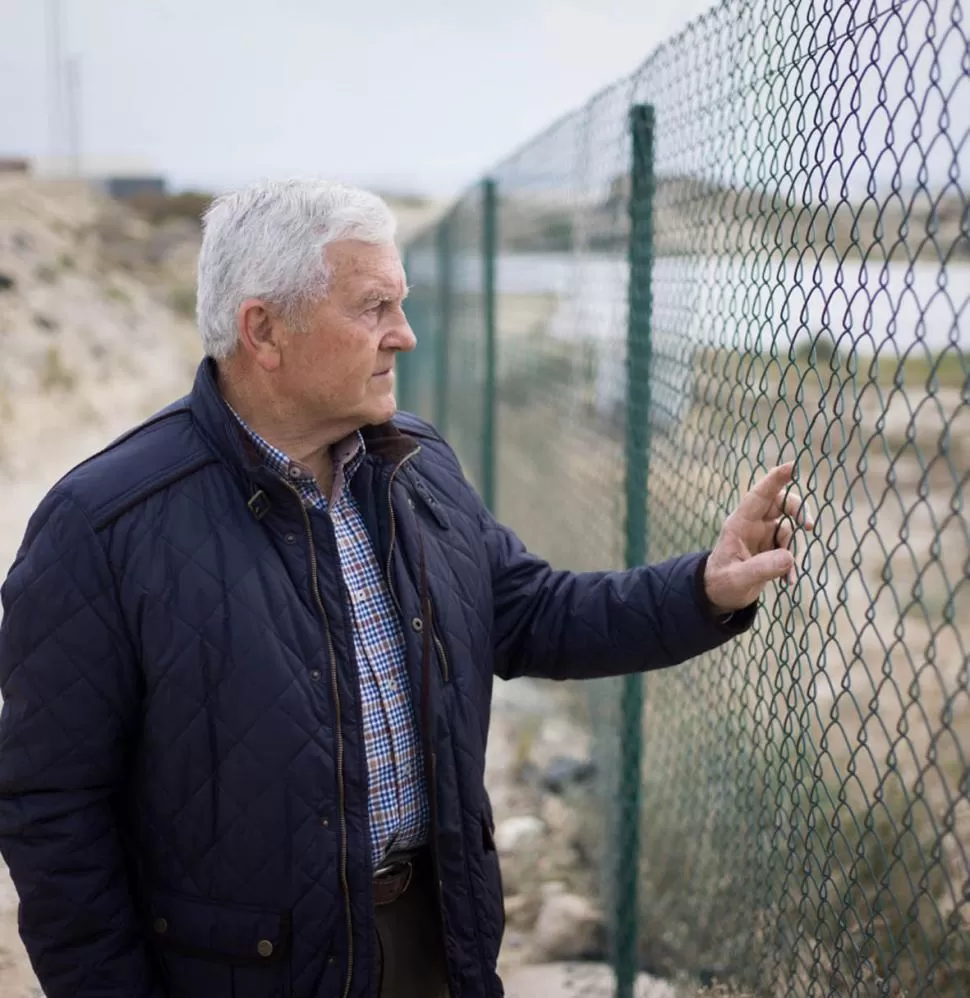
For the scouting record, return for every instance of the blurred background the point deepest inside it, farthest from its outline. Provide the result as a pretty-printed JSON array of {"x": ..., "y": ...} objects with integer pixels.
[{"x": 652, "y": 252}]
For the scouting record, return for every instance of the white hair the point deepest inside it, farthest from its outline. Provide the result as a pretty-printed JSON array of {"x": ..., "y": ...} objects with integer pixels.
[{"x": 267, "y": 241}]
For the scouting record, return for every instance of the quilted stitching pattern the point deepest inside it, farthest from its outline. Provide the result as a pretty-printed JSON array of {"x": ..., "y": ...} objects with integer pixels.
[{"x": 168, "y": 731}]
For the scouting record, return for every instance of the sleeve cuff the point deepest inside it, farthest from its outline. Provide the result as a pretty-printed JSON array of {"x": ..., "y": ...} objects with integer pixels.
[{"x": 735, "y": 622}]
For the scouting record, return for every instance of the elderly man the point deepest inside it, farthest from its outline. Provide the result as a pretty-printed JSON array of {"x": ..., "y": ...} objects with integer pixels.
[{"x": 247, "y": 651}]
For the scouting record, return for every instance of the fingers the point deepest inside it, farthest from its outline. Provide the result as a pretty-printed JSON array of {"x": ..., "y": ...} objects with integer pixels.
[
  {"x": 772, "y": 496},
  {"x": 762, "y": 500},
  {"x": 768, "y": 487},
  {"x": 784, "y": 532},
  {"x": 794, "y": 506},
  {"x": 757, "y": 571},
  {"x": 784, "y": 535}
]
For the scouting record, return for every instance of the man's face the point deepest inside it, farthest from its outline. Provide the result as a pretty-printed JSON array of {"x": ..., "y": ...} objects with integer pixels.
[{"x": 340, "y": 366}]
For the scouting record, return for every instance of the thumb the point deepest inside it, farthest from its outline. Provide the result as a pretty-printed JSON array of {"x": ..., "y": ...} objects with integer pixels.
[{"x": 764, "y": 567}]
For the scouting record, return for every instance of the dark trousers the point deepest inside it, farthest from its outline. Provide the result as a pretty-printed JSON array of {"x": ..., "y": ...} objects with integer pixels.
[{"x": 410, "y": 949}]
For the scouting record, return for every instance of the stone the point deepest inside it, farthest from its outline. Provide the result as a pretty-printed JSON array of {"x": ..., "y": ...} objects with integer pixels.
[
  {"x": 519, "y": 832},
  {"x": 551, "y": 888},
  {"x": 559, "y": 743},
  {"x": 46, "y": 323},
  {"x": 565, "y": 771},
  {"x": 571, "y": 979},
  {"x": 558, "y": 816},
  {"x": 568, "y": 927}
]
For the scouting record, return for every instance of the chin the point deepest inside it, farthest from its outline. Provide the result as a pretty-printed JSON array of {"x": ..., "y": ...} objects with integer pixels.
[{"x": 381, "y": 410}]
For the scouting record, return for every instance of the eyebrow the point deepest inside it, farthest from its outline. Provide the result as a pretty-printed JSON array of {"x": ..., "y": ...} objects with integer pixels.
[{"x": 382, "y": 295}]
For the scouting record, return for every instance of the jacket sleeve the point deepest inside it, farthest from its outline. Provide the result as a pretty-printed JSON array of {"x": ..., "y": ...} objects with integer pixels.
[
  {"x": 566, "y": 625},
  {"x": 70, "y": 702}
]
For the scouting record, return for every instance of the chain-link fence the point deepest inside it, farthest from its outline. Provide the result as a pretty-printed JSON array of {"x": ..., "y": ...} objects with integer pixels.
[{"x": 755, "y": 248}]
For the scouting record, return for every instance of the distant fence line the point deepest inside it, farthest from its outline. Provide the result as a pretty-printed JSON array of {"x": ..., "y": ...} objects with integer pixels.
[{"x": 755, "y": 248}]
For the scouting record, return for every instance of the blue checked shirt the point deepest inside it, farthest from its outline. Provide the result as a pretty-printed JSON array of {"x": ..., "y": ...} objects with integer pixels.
[{"x": 398, "y": 798}]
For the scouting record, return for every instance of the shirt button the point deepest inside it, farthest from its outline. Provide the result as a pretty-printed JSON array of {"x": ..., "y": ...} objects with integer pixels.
[
  {"x": 315, "y": 675},
  {"x": 294, "y": 471}
]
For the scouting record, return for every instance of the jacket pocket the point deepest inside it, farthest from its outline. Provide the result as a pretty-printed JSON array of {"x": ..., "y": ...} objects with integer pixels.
[
  {"x": 440, "y": 649},
  {"x": 491, "y": 905},
  {"x": 215, "y": 948},
  {"x": 494, "y": 888}
]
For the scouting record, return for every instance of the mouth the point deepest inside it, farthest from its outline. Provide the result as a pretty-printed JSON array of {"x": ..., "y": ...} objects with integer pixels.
[{"x": 381, "y": 374}]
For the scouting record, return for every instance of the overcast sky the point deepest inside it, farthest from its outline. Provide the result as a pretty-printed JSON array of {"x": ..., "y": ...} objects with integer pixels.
[{"x": 415, "y": 95}]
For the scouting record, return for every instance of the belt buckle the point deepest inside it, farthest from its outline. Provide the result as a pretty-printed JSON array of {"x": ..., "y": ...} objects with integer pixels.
[
  {"x": 391, "y": 867},
  {"x": 388, "y": 872}
]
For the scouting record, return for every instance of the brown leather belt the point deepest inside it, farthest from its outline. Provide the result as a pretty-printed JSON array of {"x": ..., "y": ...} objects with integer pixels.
[{"x": 393, "y": 877}]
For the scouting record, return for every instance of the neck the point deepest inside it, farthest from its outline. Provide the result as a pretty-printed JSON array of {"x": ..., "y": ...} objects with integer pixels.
[{"x": 283, "y": 428}]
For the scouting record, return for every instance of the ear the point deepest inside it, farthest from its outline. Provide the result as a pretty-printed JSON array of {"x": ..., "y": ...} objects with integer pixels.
[{"x": 260, "y": 333}]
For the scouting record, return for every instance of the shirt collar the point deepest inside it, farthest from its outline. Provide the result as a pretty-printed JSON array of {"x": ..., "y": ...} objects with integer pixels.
[{"x": 346, "y": 454}]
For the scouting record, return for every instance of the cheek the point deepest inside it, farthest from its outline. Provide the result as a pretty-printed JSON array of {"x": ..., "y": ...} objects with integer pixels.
[{"x": 346, "y": 364}]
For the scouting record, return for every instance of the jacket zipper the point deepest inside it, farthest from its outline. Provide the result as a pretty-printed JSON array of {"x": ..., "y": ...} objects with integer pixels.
[
  {"x": 439, "y": 644},
  {"x": 431, "y": 758},
  {"x": 390, "y": 508},
  {"x": 335, "y": 689}
]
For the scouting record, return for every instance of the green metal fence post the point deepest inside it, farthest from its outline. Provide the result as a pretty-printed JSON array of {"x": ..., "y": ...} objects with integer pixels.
[
  {"x": 637, "y": 524},
  {"x": 441, "y": 367},
  {"x": 489, "y": 251}
]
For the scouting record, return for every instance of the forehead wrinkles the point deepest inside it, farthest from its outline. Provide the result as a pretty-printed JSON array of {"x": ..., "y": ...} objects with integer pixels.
[{"x": 361, "y": 271}]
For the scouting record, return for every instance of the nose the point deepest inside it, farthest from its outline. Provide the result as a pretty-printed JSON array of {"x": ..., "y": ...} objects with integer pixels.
[{"x": 401, "y": 338}]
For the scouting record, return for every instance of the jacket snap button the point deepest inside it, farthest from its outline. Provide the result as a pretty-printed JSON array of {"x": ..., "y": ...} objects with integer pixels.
[
  {"x": 289, "y": 538},
  {"x": 315, "y": 674},
  {"x": 161, "y": 926},
  {"x": 264, "y": 947},
  {"x": 417, "y": 623}
]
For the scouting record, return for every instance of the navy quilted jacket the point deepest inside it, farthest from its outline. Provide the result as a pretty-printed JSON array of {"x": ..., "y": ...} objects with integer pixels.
[{"x": 183, "y": 792}]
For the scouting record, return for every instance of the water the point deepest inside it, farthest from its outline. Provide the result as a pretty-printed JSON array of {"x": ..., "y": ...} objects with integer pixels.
[
  {"x": 759, "y": 304},
  {"x": 738, "y": 303},
  {"x": 727, "y": 301}
]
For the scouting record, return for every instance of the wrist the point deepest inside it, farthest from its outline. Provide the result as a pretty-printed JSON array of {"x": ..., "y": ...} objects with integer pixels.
[{"x": 720, "y": 614}]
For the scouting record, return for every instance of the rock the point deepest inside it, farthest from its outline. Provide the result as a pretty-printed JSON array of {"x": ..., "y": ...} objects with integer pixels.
[
  {"x": 515, "y": 834},
  {"x": 47, "y": 324},
  {"x": 568, "y": 980},
  {"x": 564, "y": 771},
  {"x": 7, "y": 283},
  {"x": 551, "y": 888},
  {"x": 568, "y": 927},
  {"x": 559, "y": 817},
  {"x": 557, "y": 740},
  {"x": 515, "y": 906}
]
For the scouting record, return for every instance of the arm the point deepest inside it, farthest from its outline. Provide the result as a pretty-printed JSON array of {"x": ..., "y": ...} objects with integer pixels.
[
  {"x": 70, "y": 705},
  {"x": 564, "y": 625}
]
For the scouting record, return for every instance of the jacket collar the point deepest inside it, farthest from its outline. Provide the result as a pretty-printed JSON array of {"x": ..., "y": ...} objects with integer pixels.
[{"x": 384, "y": 441}]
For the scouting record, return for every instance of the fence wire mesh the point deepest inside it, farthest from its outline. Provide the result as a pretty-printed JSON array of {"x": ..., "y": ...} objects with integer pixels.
[{"x": 803, "y": 801}]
